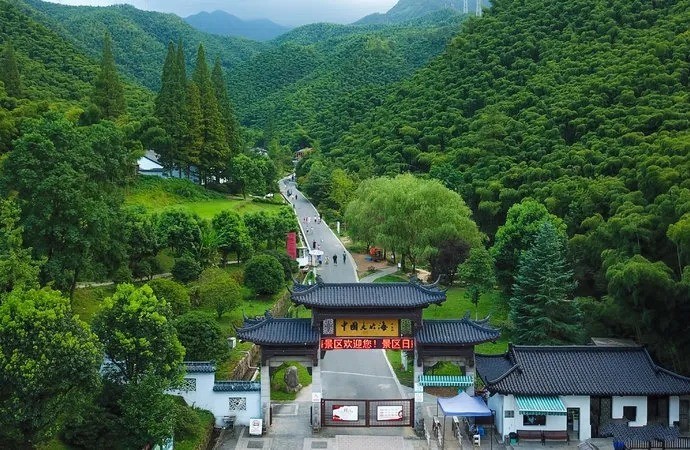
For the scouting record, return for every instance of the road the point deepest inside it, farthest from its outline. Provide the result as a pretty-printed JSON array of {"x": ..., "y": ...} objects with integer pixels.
[{"x": 363, "y": 374}]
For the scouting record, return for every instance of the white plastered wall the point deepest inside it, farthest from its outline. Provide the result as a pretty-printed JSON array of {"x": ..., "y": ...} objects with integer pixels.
[{"x": 617, "y": 404}]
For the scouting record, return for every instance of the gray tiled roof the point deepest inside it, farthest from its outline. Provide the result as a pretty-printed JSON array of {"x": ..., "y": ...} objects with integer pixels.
[
  {"x": 200, "y": 366},
  {"x": 368, "y": 295},
  {"x": 578, "y": 370},
  {"x": 272, "y": 331},
  {"x": 456, "y": 332},
  {"x": 236, "y": 386}
]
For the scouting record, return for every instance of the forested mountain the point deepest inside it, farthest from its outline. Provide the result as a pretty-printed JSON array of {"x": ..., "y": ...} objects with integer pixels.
[
  {"x": 141, "y": 37},
  {"x": 407, "y": 10},
  {"x": 581, "y": 105},
  {"x": 226, "y": 24},
  {"x": 52, "y": 69},
  {"x": 317, "y": 73}
]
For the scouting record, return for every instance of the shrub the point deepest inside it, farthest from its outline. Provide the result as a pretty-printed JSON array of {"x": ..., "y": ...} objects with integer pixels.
[
  {"x": 264, "y": 274},
  {"x": 174, "y": 293},
  {"x": 186, "y": 269},
  {"x": 122, "y": 275},
  {"x": 201, "y": 336},
  {"x": 218, "y": 289},
  {"x": 289, "y": 265}
]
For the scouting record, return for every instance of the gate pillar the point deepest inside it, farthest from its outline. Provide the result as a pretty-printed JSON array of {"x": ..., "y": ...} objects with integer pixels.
[
  {"x": 316, "y": 391},
  {"x": 418, "y": 394},
  {"x": 265, "y": 394}
]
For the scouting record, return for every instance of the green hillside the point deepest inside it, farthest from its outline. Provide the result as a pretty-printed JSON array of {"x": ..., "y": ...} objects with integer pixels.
[
  {"x": 140, "y": 37},
  {"x": 581, "y": 105},
  {"x": 317, "y": 71}
]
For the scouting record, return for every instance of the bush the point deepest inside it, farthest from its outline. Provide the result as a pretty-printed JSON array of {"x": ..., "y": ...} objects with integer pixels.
[
  {"x": 174, "y": 293},
  {"x": 289, "y": 265},
  {"x": 264, "y": 274},
  {"x": 122, "y": 275},
  {"x": 186, "y": 269},
  {"x": 201, "y": 336},
  {"x": 218, "y": 289}
]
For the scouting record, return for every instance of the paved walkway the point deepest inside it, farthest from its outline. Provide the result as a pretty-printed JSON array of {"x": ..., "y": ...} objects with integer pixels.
[{"x": 378, "y": 274}]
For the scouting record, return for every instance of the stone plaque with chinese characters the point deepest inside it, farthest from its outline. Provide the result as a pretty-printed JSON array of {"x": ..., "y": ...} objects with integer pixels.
[{"x": 367, "y": 327}]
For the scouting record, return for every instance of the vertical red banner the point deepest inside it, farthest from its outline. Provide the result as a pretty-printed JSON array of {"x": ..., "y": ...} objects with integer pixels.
[{"x": 291, "y": 244}]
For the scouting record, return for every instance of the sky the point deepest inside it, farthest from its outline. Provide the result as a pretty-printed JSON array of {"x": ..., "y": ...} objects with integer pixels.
[{"x": 284, "y": 12}]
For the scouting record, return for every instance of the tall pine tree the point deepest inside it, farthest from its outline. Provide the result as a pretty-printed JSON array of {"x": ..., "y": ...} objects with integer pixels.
[
  {"x": 540, "y": 308},
  {"x": 215, "y": 152},
  {"x": 108, "y": 93},
  {"x": 171, "y": 107},
  {"x": 9, "y": 71},
  {"x": 195, "y": 133},
  {"x": 232, "y": 127}
]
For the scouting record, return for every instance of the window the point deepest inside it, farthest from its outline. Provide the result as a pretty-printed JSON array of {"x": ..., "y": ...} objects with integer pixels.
[
  {"x": 509, "y": 414},
  {"x": 188, "y": 385},
  {"x": 630, "y": 413},
  {"x": 238, "y": 403},
  {"x": 534, "y": 419}
]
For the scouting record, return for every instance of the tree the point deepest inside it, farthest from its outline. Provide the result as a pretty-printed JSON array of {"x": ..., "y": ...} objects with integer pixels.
[
  {"x": 232, "y": 127},
  {"x": 17, "y": 269},
  {"x": 186, "y": 269},
  {"x": 540, "y": 309},
  {"x": 477, "y": 272},
  {"x": 9, "y": 71},
  {"x": 194, "y": 138},
  {"x": 517, "y": 235},
  {"x": 49, "y": 362},
  {"x": 409, "y": 216},
  {"x": 233, "y": 236},
  {"x": 217, "y": 288},
  {"x": 264, "y": 275},
  {"x": 138, "y": 337},
  {"x": 679, "y": 233},
  {"x": 175, "y": 294},
  {"x": 290, "y": 266},
  {"x": 108, "y": 93},
  {"x": 214, "y": 152},
  {"x": 141, "y": 240},
  {"x": 147, "y": 414},
  {"x": 180, "y": 230},
  {"x": 444, "y": 261},
  {"x": 246, "y": 174},
  {"x": 68, "y": 182},
  {"x": 260, "y": 228},
  {"x": 171, "y": 107},
  {"x": 201, "y": 336}
]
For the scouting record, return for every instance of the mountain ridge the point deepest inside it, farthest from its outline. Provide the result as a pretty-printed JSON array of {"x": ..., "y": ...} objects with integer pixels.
[{"x": 223, "y": 23}]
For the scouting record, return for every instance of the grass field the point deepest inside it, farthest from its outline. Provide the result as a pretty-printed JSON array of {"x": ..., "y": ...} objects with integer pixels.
[{"x": 157, "y": 194}]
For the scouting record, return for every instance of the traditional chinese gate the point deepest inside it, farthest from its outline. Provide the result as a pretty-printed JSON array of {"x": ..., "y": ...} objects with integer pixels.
[{"x": 367, "y": 413}]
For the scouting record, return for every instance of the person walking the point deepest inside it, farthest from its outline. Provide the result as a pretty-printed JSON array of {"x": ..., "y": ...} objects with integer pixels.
[
  {"x": 335, "y": 259},
  {"x": 313, "y": 244},
  {"x": 343, "y": 257}
]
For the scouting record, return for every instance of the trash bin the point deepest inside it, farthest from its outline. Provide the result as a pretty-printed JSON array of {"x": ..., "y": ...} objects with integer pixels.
[{"x": 513, "y": 438}]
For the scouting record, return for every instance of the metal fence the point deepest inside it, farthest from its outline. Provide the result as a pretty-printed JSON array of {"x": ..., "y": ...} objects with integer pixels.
[
  {"x": 367, "y": 413},
  {"x": 681, "y": 442}
]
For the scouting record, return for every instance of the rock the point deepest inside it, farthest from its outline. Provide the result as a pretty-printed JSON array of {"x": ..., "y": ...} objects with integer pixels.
[{"x": 291, "y": 380}]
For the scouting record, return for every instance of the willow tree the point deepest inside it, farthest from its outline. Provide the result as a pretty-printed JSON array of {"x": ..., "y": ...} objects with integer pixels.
[{"x": 410, "y": 216}]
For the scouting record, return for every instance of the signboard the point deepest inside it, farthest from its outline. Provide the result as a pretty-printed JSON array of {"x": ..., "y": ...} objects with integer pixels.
[
  {"x": 255, "y": 426},
  {"x": 367, "y": 344},
  {"x": 367, "y": 327},
  {"x": 389, "y": 412},
  {"x": 419, "y": 397},
  {"x": 315, "y": 397},
  {"x": 345, "y": 413},
  {"x": 291, "y": 245}
]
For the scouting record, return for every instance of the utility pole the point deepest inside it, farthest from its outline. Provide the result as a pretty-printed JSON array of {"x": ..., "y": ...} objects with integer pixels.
[
  {"x": 478, "y": 11},
  {"x": 465, "y": 7}
]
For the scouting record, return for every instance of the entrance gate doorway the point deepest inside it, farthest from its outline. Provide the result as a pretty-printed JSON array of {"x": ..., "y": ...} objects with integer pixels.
[{"x": 367, "y": 413}]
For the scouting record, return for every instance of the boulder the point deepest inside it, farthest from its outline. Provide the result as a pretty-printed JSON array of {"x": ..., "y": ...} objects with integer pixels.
[{"x": 291, "y": 380}]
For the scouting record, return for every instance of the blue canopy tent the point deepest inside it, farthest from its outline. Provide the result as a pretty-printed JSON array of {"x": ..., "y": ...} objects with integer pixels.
[{"x": 462, "y": 405}]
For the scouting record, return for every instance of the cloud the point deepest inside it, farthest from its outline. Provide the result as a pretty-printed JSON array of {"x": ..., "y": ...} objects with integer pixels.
[{"x": 288, "y": 12}]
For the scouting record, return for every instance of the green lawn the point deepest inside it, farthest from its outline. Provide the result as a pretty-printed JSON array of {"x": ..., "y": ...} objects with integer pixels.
[
  {"x": 86, "y": 301},
  {"x": 393, "y": 278},
  {"x": 278, "y": 391},
  {"x": 157, "y": 194}
]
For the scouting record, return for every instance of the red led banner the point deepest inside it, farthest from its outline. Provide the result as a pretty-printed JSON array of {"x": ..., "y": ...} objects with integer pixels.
[{"x": 367, "y": 344}]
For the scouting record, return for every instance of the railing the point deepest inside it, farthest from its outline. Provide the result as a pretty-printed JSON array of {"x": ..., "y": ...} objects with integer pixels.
[{"x": 681, "y": 442}]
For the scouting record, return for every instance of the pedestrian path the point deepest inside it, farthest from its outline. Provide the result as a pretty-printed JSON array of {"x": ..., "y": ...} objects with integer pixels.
[{"x": 378, "y": 274}]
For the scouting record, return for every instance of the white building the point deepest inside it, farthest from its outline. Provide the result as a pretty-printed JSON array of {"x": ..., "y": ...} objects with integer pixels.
[
  {"x": 238, "y": 399},
  {"x": 586, "y": 391}
]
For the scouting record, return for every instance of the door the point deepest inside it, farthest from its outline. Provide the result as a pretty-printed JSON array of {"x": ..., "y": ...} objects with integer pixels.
[
  {"x": 683, "y": 416},
  {"x": 573, "y": 415}
]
